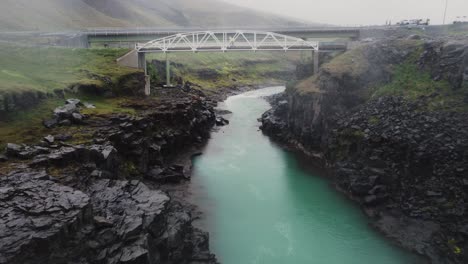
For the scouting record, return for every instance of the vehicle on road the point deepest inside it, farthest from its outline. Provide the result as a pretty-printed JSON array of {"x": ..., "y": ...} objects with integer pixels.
[
  {"x": 461, "y": 20},
  {"x": 414, "y": 22}
]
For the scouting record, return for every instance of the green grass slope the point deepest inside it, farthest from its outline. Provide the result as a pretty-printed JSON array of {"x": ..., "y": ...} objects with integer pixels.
[
  {"x": 353, "y": 72},
  {"x": 45, "y": 69}
]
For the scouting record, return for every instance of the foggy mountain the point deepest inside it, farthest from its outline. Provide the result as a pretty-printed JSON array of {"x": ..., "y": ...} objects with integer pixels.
[{"x": 26, "y": 15}]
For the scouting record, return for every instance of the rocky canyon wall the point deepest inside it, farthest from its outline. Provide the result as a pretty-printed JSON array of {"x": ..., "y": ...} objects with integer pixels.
[{"x": 403, "y": 159}]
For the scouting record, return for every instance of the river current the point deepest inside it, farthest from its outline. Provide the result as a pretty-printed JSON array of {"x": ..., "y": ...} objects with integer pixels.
[{"x": 262, "y": 207}]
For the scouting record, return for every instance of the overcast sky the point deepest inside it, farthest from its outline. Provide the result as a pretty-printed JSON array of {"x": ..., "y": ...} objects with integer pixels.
[{"x": 357, "y": 12}]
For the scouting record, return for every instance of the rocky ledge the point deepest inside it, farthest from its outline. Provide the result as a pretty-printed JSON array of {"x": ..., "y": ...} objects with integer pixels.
[{"x": 114, "y": 197}]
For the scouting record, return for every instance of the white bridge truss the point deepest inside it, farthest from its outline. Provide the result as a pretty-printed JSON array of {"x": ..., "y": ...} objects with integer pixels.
[{"x": 223, "y": 41}]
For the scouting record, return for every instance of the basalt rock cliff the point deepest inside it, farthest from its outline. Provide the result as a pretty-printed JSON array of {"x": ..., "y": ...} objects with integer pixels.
[
  {"x": 403, "y": 158},
  {"x": 115, "y": 195}
]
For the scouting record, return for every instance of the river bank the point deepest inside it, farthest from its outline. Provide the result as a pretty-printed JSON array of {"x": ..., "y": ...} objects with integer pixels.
[
  {"x": 97, "y": 166},
  {"x": 108, "y": 186},
  {"x": 387, "y": 121}
]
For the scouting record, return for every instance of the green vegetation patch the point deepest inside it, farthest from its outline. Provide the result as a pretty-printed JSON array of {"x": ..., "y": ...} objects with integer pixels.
[
  {"x": 412, "y": 83},
  {"x": 48, "y": 68},
  {"x": 105, "y": 106},
  {"x": 352, "y": 63},
  {"x": 309, "y": 85},
  {"x": 460, "y": 29},
  {"x": 373, "y": 120},
  {"x": 347, "y": 143},
  {"x": 26, "y": 126},
  {"x": 45, "y": 69}
]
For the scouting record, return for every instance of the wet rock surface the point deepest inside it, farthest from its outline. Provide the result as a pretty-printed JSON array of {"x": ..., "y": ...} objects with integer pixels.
[
  {"x": 129, "y": 219},
  {"x": 221, "y": 121},
  {"x": 37, "y": 214},
  {"x": 404, "y": 163},
  {"x": 410, "y": 163},
  {"x": 118, "y": 198}
]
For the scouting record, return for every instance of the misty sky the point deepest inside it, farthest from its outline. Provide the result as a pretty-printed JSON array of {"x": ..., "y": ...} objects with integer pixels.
[{"x": 356, "y": 12}]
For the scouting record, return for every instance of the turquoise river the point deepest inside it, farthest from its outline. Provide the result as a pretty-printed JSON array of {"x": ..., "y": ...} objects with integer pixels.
[{"x": 261, "y": 207}]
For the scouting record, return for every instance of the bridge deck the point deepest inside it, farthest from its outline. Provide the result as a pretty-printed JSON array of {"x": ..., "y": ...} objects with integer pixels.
[{"x": 173, "y": 31}]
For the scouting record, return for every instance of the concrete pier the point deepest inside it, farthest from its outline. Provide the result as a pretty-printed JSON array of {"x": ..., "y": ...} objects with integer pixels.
[{"x": 316, "y": 58}]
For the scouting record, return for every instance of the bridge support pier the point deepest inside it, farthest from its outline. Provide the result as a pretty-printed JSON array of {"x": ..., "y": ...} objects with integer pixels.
[
  {"x": 315, "y": 58},
  {"x": 142, "y": 65},
  {"x": 142, "y": 61},
  {"x": 168, "y": 71}
]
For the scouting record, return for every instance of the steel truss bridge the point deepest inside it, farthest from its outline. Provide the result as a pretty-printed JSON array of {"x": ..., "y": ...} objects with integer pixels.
[{"x": 222, "y": 41}]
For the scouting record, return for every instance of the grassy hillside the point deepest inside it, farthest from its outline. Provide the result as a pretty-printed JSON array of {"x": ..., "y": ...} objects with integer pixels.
[
  {"x": 412, "y": 83},
  {"x": 46, "y": 69},
  {"x": 27, "y": 69},
  {"x": 371, "y": 72},
  {"x": 50, "y": 15}
]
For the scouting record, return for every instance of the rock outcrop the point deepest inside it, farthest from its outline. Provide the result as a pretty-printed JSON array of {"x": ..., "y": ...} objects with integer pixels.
[
  {"x": 38, "y": 215},
  {"x": 111, "y": 199},
  {"x": 405, "y": 163},
  {"x": 447, "y": 60},
  {"x": 344, "y": 83},
  {"x": 68, "y": 114},
  {"x": 14, "y": 101}
]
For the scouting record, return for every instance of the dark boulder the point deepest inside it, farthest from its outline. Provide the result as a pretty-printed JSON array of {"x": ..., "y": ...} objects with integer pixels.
[
  {"x": 173, "y": 174},
  {"x": 65, "y": 111},
  {"x": 89, "y": 106},
  {"x": 61, "y": 156},
  {"x": 49, "y": 139},
  {"x": 222, "y": 112},
  {"x": 220, "y": 121},
  {"x": 75, "y": 102},
  {"x": 23, "y": 151},
  {"x": 13, "y": 150},
  {"x": 106, "y": 156},
  {"x": 77, "y": 118},
  {"x": 50, "y": 123},
  {"x": 65, "y": 122}
]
